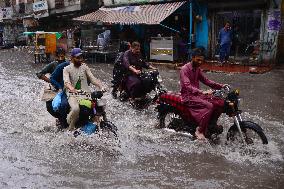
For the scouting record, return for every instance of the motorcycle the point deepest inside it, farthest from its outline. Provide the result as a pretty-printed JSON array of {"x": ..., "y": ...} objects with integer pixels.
[
  {"x": 151, "y": 82},
  {"x": 92, "y": 110},
  {"x": 172, "y": 114}
]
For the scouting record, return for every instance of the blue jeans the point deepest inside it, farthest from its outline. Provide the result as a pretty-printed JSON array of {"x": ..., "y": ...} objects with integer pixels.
[
  {"x": 225, "y": 51},
  {"x": 63, "y": 111}
]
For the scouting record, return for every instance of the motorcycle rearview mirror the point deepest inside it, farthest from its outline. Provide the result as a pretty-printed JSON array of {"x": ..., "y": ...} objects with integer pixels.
[
  {"x": 160, "y": 79},
  {"x": 96, "y": 94}
]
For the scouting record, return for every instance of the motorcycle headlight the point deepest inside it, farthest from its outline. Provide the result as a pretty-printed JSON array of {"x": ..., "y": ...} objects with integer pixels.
[
  {"x": 159, "y": 79},
  {"x": 237, "y": 92}
]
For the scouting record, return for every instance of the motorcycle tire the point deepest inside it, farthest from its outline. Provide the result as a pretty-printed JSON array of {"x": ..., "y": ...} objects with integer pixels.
[
  {"x": 249, "y": 130},
  {"x": 172, "y": 120},
  {"x": 109, "y": 126}
]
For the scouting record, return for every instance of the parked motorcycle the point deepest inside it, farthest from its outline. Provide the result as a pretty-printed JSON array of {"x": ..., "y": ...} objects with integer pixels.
[
  {"x": 92, "y": 109},
  {"x": 172, "y": 114}
]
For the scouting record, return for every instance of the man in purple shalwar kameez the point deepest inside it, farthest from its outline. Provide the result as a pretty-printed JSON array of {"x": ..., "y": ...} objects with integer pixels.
[
  {"x": 202, "y": 105},
  {"x": 132, "y": 61}
]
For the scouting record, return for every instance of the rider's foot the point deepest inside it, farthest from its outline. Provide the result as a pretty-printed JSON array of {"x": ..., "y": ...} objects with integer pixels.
[
  {"x": 70, "y": 128},
  {"x": 199, "y": 135}
]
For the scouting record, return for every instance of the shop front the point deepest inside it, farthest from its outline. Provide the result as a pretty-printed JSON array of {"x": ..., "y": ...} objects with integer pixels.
[
  {"x": 254, "y": 25},
  {"x": 156, "y": 26}
]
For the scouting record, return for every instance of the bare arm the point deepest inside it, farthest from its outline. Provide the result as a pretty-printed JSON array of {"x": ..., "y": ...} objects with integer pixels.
[{"x": 132, "y": 69}]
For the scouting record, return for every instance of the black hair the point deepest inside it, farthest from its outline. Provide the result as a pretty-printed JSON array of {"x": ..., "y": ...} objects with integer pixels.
[
  {"x": 124, "y": 46},
  {"x": 59, "y": 51},
  {"x": 135, "y": 44},
  {"x": 197, "y": 52}
]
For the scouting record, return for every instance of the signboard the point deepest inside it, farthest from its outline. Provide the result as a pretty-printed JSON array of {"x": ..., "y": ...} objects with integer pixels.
[
  {"x": 274, "y": 20},
  {"x": 50, "y": 43},
  {"x": 40, "y": 9},
  {"x": 6, "y": 13},
  {"x": 129, "y": 2}
]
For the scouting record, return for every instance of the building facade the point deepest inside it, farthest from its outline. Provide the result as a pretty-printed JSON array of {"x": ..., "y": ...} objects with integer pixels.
[{"x": 17, "y": 16}]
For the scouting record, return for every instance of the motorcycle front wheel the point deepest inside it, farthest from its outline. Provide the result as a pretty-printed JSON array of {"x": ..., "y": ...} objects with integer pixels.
[
  {"x": 252, "y": 132},
  {"x": 109, "y": 127}
]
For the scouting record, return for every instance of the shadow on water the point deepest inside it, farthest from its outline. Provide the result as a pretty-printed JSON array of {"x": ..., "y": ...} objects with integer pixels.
[{"x": 34, "y": 155}]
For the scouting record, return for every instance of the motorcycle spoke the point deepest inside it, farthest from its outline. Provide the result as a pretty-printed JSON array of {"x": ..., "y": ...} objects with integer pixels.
[{"x": 251, "y": 137}]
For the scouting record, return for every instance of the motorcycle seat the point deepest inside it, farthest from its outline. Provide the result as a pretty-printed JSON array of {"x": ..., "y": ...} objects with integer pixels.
[{"x": 175, "y": 100}]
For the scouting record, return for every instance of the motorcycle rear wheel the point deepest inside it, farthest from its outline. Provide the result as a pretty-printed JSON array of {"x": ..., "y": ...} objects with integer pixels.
[
  {"x": 252, "y": 132},
  {"x": 109, "y": 127},
  {"x": 173, "y": 121}
]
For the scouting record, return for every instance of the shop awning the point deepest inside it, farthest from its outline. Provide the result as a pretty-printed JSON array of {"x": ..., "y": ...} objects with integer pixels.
[{"x": 127, "y": 15}]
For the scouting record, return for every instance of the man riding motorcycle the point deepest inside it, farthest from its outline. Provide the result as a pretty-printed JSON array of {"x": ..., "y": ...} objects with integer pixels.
[
  {"x": 76, "y": 77},
  {"x": 201, "y": 104},
  {"x": 132, "y": 61},
  {"x": 56, "y": 79},
  {"x": 49, "y": 91}
]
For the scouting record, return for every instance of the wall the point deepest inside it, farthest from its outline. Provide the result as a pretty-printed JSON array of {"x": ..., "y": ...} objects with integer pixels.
[
  {"x": 280, "y": 49},
  {"x": 202, "y": 28},
  {"x": 269, "y": 33}
]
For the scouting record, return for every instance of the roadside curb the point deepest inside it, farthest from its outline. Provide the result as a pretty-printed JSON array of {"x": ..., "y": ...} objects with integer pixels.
[{"x": 227, "y": 68}]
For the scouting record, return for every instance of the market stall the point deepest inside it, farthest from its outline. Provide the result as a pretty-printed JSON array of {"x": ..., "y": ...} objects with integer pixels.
[{"x": 45, "y": 44}]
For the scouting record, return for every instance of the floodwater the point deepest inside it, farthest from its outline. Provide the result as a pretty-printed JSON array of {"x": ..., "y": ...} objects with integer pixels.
[{"x": 34, "y": 155}]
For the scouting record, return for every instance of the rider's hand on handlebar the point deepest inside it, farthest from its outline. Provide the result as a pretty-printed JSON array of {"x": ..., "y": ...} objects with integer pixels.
[
  {"x": 208, "y": 92},
  {"x": 152, "y": 67},
  {"x": 137, "y": 72},
  {"x": 103, "y": 89},
  {"x": 226, "y": 85},
  {"x": 73, "y": 91}
]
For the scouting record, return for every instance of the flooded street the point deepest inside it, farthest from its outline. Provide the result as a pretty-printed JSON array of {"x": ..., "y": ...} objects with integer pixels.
[{"x": 34, "y": 155}]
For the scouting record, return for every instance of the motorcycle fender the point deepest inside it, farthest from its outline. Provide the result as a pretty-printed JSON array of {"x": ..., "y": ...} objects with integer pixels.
[{"x": 163, "y": 108}]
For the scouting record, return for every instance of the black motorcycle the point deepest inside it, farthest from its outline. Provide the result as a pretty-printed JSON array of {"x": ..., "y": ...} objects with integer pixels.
[
  {"x": 150, "y": 80},
  {"x": 173, "y": 114},
  {"x": 96, "y": 113}
]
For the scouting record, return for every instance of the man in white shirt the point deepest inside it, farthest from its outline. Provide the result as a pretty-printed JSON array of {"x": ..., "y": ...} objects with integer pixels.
[{"x": 76, "y": 77}]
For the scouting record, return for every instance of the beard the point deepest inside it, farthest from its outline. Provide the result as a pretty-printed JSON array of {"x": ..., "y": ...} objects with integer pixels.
[{"x": 77, "y": 63}]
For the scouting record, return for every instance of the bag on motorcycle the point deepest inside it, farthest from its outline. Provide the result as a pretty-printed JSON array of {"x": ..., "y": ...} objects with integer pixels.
[
  {"x": 57, "y": 101},
  {"x": 89, "y": 128},
  {"x": 60, "y": 102}
]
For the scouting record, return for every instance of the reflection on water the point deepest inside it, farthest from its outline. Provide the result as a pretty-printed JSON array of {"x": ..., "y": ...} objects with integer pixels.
[{"x": 34, "y": 155}]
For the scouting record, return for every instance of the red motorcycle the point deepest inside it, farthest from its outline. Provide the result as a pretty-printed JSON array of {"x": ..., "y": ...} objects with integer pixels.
[{"x": 173, "y": 114}]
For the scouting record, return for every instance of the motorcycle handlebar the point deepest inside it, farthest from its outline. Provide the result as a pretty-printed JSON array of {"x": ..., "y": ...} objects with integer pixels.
[{"x": 225, "y": 89}]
